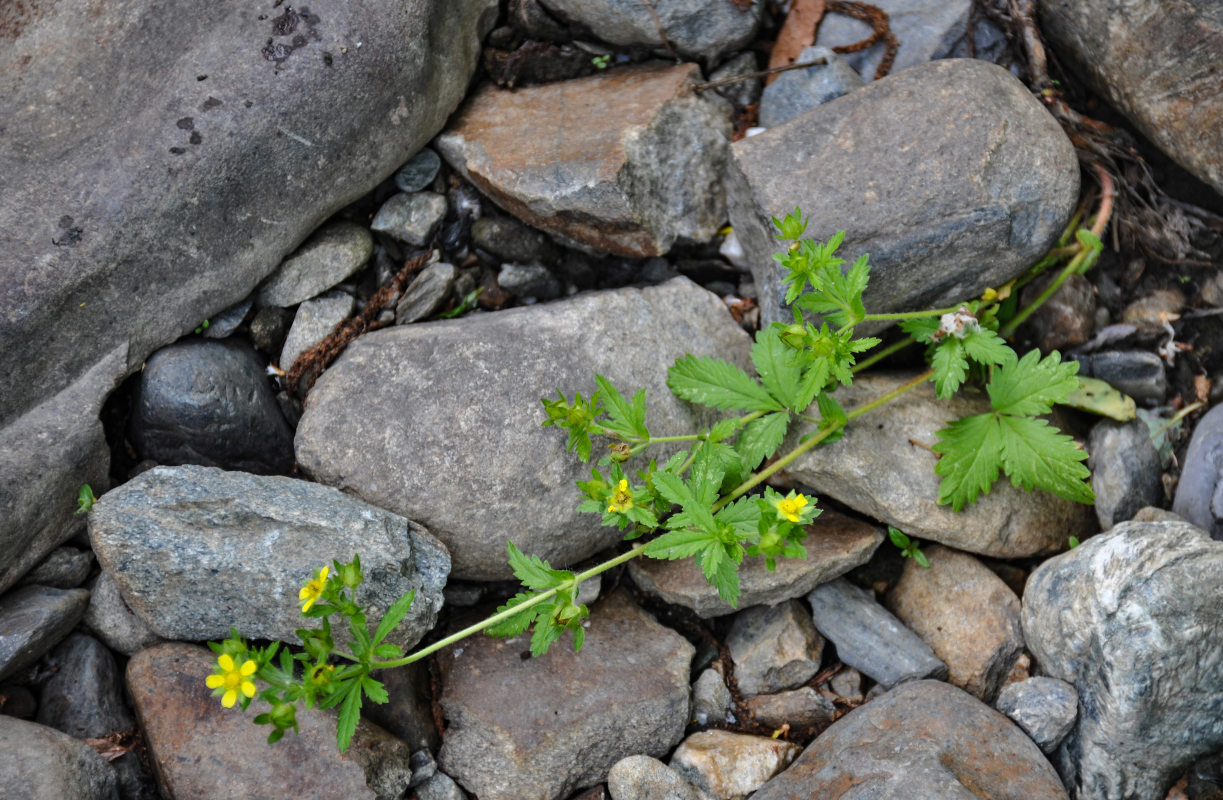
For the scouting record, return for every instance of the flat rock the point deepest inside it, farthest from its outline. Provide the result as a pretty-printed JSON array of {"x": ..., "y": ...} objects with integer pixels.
[
  {"x": 774, "y": 648},
  {"x": 1199, "y": 494},
  {"x": 1126, "y": 618},
  {"x": 411, "y": 218},
  {"x": 1126, "y": 470},
  {"x": 32, "y": 620},
  {"x": 40, "y": 763},
  {"x": 511, "y": 241},
  {"x": 207, "y": 402},
  {"x": 835, "y": 544},
  {"x": 647, "y": 173},
  {"x": 799, "y": 708},
  {"x": 109, "y": 618},
  {"x": 881, "y": 469},
  {"x": 183, "y": 173},
  {"x": 334, "y": 252},
  {"x": 798, "y": 91},
  {"x": 1157, "y": 63},
  {"x": 314, "y": 321},
  {"x": 539, "y": 728},
  {"x": 399, "y": 421},
  {"x": 63, "y": 568},
  {"x": 922, "y": 739},
  {"x": 529, "y": 280},
  {"x": 84, "y": 695},
  {"x": 1045, "y": 708},
  {"x": 222, "y": 753},
  {"x": 696, "y": 29},
  {"x": 730, "y": 766},
  {"x": 967, "y": 615},
  {"x": 647, "y": 778},
  {"x": 418, "y": 171},
  {"x": 427, "y": 293},
  {"x": 1138, "y": 373},
  {"x": 870, "y": 639},
  {"x": 711, "y": 699},
  {"x": 254, "y": 541},
  {"x": 989, "y": 182}
]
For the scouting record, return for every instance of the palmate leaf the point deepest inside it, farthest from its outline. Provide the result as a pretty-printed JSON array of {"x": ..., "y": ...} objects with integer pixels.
[
  {"x": 780, "y": 368},
  {"x": 696, "y": 513},
  {"x": 836, "y": 295},
  {"x": 761, "y": 437},
  {"x": 533, "y": 571},
  {"x": 624, "y": 418},
  {"x": 1031, "y": 385},
  {"x": 987, "y": 347},
  {"x": 718, "y": 384},
  {"x": 674, "y": 545},
  {"x": 1037, "y": 455},
  {"x": 971, "y": 457},
  {"x": 950, "y": 364}
]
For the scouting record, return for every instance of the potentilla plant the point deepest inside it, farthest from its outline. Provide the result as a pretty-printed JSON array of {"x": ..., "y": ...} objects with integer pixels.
[{"x": 706, "y": 501}]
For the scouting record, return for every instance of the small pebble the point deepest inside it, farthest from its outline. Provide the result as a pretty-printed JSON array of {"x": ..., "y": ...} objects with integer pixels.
[{"x": 418, "y": 172}]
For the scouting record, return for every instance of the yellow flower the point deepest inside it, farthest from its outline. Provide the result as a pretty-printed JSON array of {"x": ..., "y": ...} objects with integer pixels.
[
  {"x": 791, "y": 507},
  {"x": 622, "y": 498},
  {"x": 313, "y": 589},
  {"x": 232, "y": 678}
]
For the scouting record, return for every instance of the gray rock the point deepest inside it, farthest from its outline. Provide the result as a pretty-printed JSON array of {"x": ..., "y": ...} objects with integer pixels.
[
  {"x": 529, "y": 280},
  {"x": 799, "y": 708},
  {"x": 63, "y": 568},
  {"x": 704, "y": 29},
  {"x": 107, "y": 197},
  {"x": 835, "y": 544},
  {"x": 647, "y": 174},
  {"x": 511, "y": 241},
  {"x": 225, "y": 323},
  {"x": 924, "y": 739},
  {"x": 209, "y": 403},
  {"x": 109, "y": 618},
  {"x": 538, "y": 728},
  {"x": 1045, "y": 708},
  {"x": 314, "y": 322},
  {"x": 220, "y": 753},
  {"x": 1122, "y": 618},
  {"x": 1158, "y": 64},
  {"x": 870, "y": 639},
  {"x": 796, "y": 92},
  {"x": 646, "y": 778},
  {"x": 730, "y": 766},
  {"x": 255, "y": 541},
  {"x": 32, "y": 620},
  {"x": 967, "y": 615},
  {"x": 1138, "y": 373},
  {"x": 1066, "y": 319},
  {"x": 358, "y": 430},
  {"x": 774, "y": 648},
  {"x": 331, "y": 254},
  {"x": 990, "y": 180},
  {"x": 1199, "y": 494},
  {"x": 741, "y": 93},
  {"x": 40, "y": 763},
  {"x": 878, "y": 470},
  {"x": 1125, "y": 470},
  {"x": 418, "y": 172},
  {"x": 440, "y": 787},
  {"x": 84, "y": 696},
  {"x": 710, "y": 698},
  {"x": 408, "y": 714},
  {"x": 269, "y": 327},
  {"x": 427, "y": 293},
  {"x": 411, "y": 218}
]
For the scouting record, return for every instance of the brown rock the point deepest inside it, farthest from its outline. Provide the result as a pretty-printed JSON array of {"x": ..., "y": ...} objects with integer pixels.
[
  {"x": 835, "y": 544},
  {"x": 967, "y": 615},
  {"x": 774, "y": 647},
  {"x": 201, "y": 750},
  {"x": 626, "y": 161},
  {"x": 923, "y": 739},
  {"x": 539, "y": 728},
  {"x": 1066, "y": 319},
  {"x": 730, "y": 766},
  {"x": 799, "y": 708}
]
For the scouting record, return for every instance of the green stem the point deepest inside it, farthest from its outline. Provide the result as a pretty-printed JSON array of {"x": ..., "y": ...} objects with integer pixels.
[
  {"x": 934, "y": 312},
  {"x": 895, "y": 347},
  {"x": 1071, "y": 268}
]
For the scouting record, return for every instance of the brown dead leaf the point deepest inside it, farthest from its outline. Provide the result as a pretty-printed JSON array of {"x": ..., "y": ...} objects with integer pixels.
[
  {"x": 113, "y": 745},
  {"x": 797, "y": 32}
]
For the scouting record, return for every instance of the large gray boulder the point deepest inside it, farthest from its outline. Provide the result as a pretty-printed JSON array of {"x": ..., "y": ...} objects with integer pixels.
[
  {"x": 40, "y": 763},
  {"x": 440, "y": 421},
  {"x": 949, "y": 174},
  {"x": 1157, "y": 61},
  {"x": 1131, "y": 619},
  {"x": 150, "y": 185}
]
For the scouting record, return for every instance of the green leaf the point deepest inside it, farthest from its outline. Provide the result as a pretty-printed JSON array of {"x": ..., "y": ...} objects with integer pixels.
[
  {"x": 623, "y": 418},
  {"x": 724, "y": 428},
  {"x": 388, "y": 651},
  {"x": 546, "y": 632},
  {"x": 814, "y": 381},
  {"x": 1037, "y": 455},
  {"x": 672, "y": 488},
  {"x": 921, "y": 559},
  {"x": 922, "y": 329},
  {"x": 394, "y": 616},
  {"x": 743, "y": 515},
  {"x": 1098, "y": 397},
  {"x": 675, "y": 545},
  {"x": 950, "y": 364},
  {"x": 761, "y": 437},
  {"x": 898, "y": 537},
  {"x": 533, "y": 571},
  {"x": 374, "y": 690},
  {"x": 835, "y": 295},
  {"x": 1031, "y": 385},
  {"x": 350, "y": 714},
  {"x": 722, "y": 572},
  {"x": 987, "y": 347},
  {"x": 511, "y": 627},
  {"x": 831, "y": 411},
  {"x": 718, "y": 384},
  {"x": 780, "y": 367},
  {"x": 971, "y": 457}
]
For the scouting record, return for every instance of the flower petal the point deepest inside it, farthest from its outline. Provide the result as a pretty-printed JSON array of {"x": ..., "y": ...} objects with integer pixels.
[
  {"x": 214, "y": 681},
  {"x": 248, "y": 688},
  {"x": 226, "y": 662},
  {"x": 248, "y": 668},
  {"x": 230, "y": 698}
]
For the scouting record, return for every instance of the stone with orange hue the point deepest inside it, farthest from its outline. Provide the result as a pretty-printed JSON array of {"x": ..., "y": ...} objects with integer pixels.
[
  {"x": 629, "y": 161},
  {"x": 730, "y": 766},
  {"x": 835, "y": 544},
  {"x": 922, "y": 739},
  {"x": 200, "y": 749}
]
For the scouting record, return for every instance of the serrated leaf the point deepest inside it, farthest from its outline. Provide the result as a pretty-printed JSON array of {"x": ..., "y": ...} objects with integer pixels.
[
  {"x": 394, "y": 615},
  {"x": 546, "y": 632},
  {"x": 761, "y": 437},
  {"x": 724, "y": 428},
  {"x": 623, "y": 418},
  {"x": 780, "y": 367},
  {"x": 830, "y": 410},
  {"x": 743, "y": 515},
  {"x": 1030, "y": 386},
  {"x": 971, "y": 458},
  {"x": 987, "y": 347},
  {"x": 672, "y": 488},
  {"x": 718, "y": 384},
  {"x": 1036, "y": 455},
  {"x": 814, "y": 381},
  {"x": 388, "y": 651},
  {"x": 675, "y": 545},
  {"x": 374, "y": 690},
  {"x": 350, "y": 714},
  {"x": 511, "y": 627},
  {"x": 722, "y": 572},
  {"x": 922, "y": 329},
  {"x": 533, "y": 571},
  {"x": 950, "y": 364}
]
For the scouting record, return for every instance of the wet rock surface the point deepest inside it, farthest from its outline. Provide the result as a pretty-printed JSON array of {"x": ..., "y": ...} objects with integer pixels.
[
  {"x": 540, "y": 728},
  {"x": 922, "y": 739},
  {"x": 32, "y": 620},
  {"x": 256, "y": 541},
  {"x": 1121, "y": 618}
]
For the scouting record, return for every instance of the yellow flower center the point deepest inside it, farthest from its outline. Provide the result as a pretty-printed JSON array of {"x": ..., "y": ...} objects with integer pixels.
[
  {"x": 622, "y": 498},
  {"x": 791, "y": 507},
  {"x": 313, "y": 589}
]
